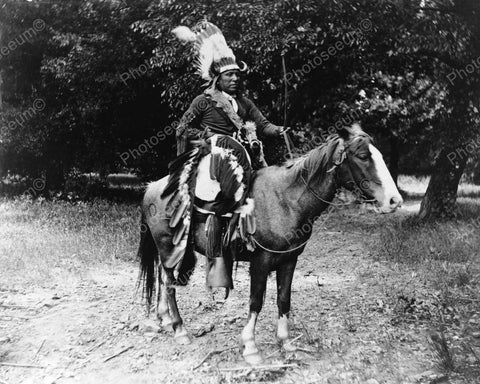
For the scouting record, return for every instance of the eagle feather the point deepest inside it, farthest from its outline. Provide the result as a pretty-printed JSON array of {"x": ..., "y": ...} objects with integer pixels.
[{"x": 184, "y": 33}]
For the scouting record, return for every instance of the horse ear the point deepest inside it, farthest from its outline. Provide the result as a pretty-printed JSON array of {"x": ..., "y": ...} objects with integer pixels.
[
  {"x": 344, "y": 133},
  {"x": 337, "y": 154},
  {"x": 347, "y": 133}
]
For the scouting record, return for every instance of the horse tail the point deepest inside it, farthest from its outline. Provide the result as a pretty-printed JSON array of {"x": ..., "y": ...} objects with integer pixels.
[{"x": 148, "y": 255}]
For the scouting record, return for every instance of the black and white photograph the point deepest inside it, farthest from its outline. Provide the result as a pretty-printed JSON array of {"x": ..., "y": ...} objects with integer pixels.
[{"x": 239, "y": 191}]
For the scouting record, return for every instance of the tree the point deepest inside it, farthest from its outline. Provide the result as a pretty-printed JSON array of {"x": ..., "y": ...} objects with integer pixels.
[
  {"x": 87, "y": 70},
  {"x": 114, "y": 79},
  {"x": 458, "y": 25}
]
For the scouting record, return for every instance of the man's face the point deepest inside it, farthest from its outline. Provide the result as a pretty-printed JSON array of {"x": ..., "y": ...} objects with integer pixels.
[{"x": 229, "y": 81}]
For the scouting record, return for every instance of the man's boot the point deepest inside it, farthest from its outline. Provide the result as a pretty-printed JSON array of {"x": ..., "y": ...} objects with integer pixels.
[{"x": 219, "y": 273}]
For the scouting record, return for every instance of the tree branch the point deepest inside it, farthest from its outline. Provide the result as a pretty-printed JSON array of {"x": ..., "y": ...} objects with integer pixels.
[{"x": 445, "y": 59}]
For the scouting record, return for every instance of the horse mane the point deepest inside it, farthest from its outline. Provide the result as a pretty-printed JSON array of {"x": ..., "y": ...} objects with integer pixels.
[{"x": 317, "y": 161}]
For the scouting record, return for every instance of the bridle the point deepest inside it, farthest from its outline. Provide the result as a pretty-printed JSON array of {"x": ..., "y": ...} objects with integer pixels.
[{"x": 343, "y": 156}]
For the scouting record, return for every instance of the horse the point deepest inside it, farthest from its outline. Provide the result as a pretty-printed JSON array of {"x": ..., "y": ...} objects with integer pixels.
[{"x": 288, "y": 199}]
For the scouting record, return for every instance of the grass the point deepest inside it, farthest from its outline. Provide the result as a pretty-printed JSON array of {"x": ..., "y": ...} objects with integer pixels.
[
  {"x": 428, "y": 274},
  {"x": 43, "y": 242},
  {"x": 446, "y": 253},
  {"x": 416, "y": 186},
  {"x": 436, "y": 281},
  {"x": 442, "y": 351},
  {"x": 125, "y": 180}
]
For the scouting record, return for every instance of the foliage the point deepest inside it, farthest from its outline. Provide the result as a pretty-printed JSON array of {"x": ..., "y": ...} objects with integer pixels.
[
  {"x": 111, "y": 76},
  {"x": 91, "y": 116}
]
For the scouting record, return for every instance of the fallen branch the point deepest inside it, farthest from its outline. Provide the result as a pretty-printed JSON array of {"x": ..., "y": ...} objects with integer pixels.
[
  {"x": 38, "y": 350},
  {"x": 12, "y": 306},
  {"x": 305, "y": 330},
  {"x": 291, "y": 341},
  {"x": 21, "y": 365},
  {"x": 118, "y": 353},
  {"x": 262, "y": 367},
  {"x": 295, "y": 339},
  {"x": 222, "y": 332},
  {"x": 312, "y": 351},
  {"x": 11, "y": 316},
  {"x": 96, "y": 346},
  {"x": 211, "y": 353}
]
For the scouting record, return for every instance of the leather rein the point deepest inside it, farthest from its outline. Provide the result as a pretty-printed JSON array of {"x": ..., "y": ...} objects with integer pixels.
[{"x": 343, "y": 157}]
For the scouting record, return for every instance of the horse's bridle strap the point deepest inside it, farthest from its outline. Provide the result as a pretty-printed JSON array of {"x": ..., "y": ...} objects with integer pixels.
[
  {"x": 344, "y": 156},
  {"x": 316, "y": 195}
]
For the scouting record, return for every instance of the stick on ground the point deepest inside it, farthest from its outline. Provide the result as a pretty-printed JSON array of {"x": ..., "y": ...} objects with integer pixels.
[
  {"x": 291, "y": 341},
  {"x": 118, "y": 353},
  {"x": 38, "y": 350},
  {"x": 263, "y": 367},
  {"x": 98, "y": 345},
  {"x": 21, "y": 365},
  {"x": 210, "y": 354}
]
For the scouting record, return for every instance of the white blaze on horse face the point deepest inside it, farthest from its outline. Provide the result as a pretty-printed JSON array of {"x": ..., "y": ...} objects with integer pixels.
[
  {"x": 387, "y": 193},
  {"x": 206, "y": 188}
]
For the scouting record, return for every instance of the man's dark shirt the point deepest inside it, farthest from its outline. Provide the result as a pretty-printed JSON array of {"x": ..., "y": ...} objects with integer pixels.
[{"x": 204, "y": 116}]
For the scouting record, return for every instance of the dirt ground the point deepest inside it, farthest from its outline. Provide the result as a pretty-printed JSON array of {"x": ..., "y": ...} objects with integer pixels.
[{"x": 94, "y": 329}]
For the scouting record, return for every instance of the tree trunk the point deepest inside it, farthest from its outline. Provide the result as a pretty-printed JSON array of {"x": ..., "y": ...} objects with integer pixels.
[
  {"x": 439, "y": 200},
  {"x": 394, "y": 157},
  {"x": 1, "y": 97}
]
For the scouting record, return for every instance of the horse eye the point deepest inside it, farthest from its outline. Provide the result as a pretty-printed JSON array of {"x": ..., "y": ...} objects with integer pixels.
[{"x": 363, "y": 156}]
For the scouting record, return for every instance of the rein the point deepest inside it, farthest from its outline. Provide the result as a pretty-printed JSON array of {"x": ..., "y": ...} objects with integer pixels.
[
  {"x": 336, "y": 164},
  {"x": 318, "y": 197},
  {"x": 314, "y": 194},
  {"x": 273, "y": 251}
]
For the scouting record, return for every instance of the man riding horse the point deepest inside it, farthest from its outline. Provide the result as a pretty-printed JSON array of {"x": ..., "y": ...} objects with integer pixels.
[{"x": 211, "y": 137}]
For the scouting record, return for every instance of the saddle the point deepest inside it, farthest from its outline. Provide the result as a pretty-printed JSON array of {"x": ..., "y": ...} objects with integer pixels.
[{"x": 211, "y": 184}]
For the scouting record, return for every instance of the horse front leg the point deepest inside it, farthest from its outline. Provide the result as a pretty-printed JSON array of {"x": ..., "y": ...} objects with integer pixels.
[
  {"x": 181, "y": 334},
  {"x": 163, "y": 314},
  {"x": 258, "y": 283},
  {"x": 284, "y": 292}
]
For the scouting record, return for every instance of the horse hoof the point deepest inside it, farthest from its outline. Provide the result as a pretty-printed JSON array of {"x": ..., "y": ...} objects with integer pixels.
[
  {"x": 183, "y": 340},
  {"x": 253, "y": 358},
  {"x": 167, "y": 325}
]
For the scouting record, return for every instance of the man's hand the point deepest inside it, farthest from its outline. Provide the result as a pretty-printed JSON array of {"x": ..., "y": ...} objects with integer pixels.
[{"x": 281, "y": 131}]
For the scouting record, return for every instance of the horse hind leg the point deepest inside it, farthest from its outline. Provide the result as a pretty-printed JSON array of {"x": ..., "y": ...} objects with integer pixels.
[
  {"x": 181, "y": 334},
  {"x": 163, "y": 314},
  {"x": 258, "y": 284},
  {"x": 284, "y": 291}
]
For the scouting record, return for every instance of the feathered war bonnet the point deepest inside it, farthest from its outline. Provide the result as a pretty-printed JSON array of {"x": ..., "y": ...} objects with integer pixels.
[{"x": 214, "y": 56}]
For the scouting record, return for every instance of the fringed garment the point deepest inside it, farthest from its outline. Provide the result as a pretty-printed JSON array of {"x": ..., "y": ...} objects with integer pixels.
[{"x": 231, "y": 168}]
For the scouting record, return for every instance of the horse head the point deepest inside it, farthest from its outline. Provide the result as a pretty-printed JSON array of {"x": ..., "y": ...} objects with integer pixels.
[{"x": 361, "y": 168}]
